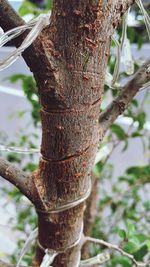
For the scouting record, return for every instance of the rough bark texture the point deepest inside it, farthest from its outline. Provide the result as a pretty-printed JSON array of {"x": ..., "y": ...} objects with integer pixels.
[
  {"x": 70, "y": 94},
  {"x": 70, "y": 90},
  {"x": 17, "y": 177},
  {"x": 68, "y": 61}
]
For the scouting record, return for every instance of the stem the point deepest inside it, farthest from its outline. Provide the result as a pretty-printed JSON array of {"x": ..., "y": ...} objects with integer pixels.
[
  {"x": 115, "y": 247},
  {"x": 121, "y": 102},
  {"x": 17, "y": 177}
]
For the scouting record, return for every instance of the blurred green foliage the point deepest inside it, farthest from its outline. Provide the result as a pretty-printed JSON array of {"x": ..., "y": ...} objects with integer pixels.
[{"x": 28, "y": 7}]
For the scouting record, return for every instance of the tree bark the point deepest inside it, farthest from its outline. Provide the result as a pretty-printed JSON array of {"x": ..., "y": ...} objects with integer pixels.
[
  {"x": 18, "y": 178},
  {"x": 77, "y": 45},
  {"x": 70, "y": 96},
  {"x": 69, "y": 61}
]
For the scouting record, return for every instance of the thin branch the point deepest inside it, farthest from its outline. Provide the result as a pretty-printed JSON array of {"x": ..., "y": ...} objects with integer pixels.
[
  {"x": 117, "y": 9},
  {"x": 118, "y": 106},
  {"x": 123, "y": 5},
  {"x": 16, "y": 177},
  {"x": 4, "y": 264},
  {"x": 90, "y": 214},
  {"x": 8, "y": 17},
  {"x": 115, "y": 247}
]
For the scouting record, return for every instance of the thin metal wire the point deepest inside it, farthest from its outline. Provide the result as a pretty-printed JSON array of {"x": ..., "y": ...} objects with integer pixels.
[
  {"x": 70, "y": 204},
  {"x": 27, "y": 245},
  {"x": 48, "y": 258},
  {"x": 145, "y": 14},
  {"x": 18, "y": 150},
  {"x": 50, "y": 254},
  {"x": 117, "y": 63}
]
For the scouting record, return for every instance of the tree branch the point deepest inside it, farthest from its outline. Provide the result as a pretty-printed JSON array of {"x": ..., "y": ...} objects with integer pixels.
[
  {"x": 116, "y": 248},
  {"x": 125, "y": 4},
  {"x": 118, "y": 106},
  {"x": 90, "y": 214},
  {"x": 8, "y": 17},
  {"x": 4, "y": 264},
  {"x": 17, "y": 177}
]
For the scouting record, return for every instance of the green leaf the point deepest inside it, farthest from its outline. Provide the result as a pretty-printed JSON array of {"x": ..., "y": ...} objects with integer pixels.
[
  {"x": 98, "y": 169},
  {"x": 141, "y": 119},
  {"x": 15, "y": 77},
  {"x": 30, "y": 90},
  {"x": 146, "y": 205},
  {"x": 118, "y": 131},
  {"x": 131, "y": 229},
  {"x": 134, "y": 102},
  {"x": 121, "y": 261},
  {"x": 49, "y": 4},
  {"x": 139, "y": 172},
  {"x": 141, "y": 237},
  {"x": 148, "y": 244},
  {"x": 121, "y": 233},
  {"x": 131, "y": 247},
  {"x": 28, "y": 8},
  {"x": 136, "y": 134},
  {"x": 141, "y": 252}
]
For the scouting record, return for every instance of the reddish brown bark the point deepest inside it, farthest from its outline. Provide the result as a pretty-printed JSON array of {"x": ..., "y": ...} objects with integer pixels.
[
  {"x": 69, "y": 61},
  {"x": 70, "y": 93}
]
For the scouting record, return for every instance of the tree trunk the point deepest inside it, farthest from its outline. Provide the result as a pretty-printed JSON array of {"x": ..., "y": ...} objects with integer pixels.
[
  {"x": 69, "y": 63},
  {"x": 70, "y": 92}
]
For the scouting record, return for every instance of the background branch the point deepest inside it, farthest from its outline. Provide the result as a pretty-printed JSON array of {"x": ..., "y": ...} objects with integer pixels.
[
  {"x": 4, "y": 264},
  {"x": 125, "y": 4},
  {"x": 118, "y": 106},
  {"x": 8, "y": 17},
  {"x": 115, "y": 247},
  {"x": 17, "y": 177},
  {"x": 90, "y": 214}
]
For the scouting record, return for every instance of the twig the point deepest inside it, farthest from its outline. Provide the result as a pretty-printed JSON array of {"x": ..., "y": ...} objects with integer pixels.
[
  {"x": 115, "y": 247},
  {"x": 4, "y": 264},
  {"x": 118, "y": 106},
  {"x": 8, "y": 17},
  {"x": 16, "y": 177}
]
